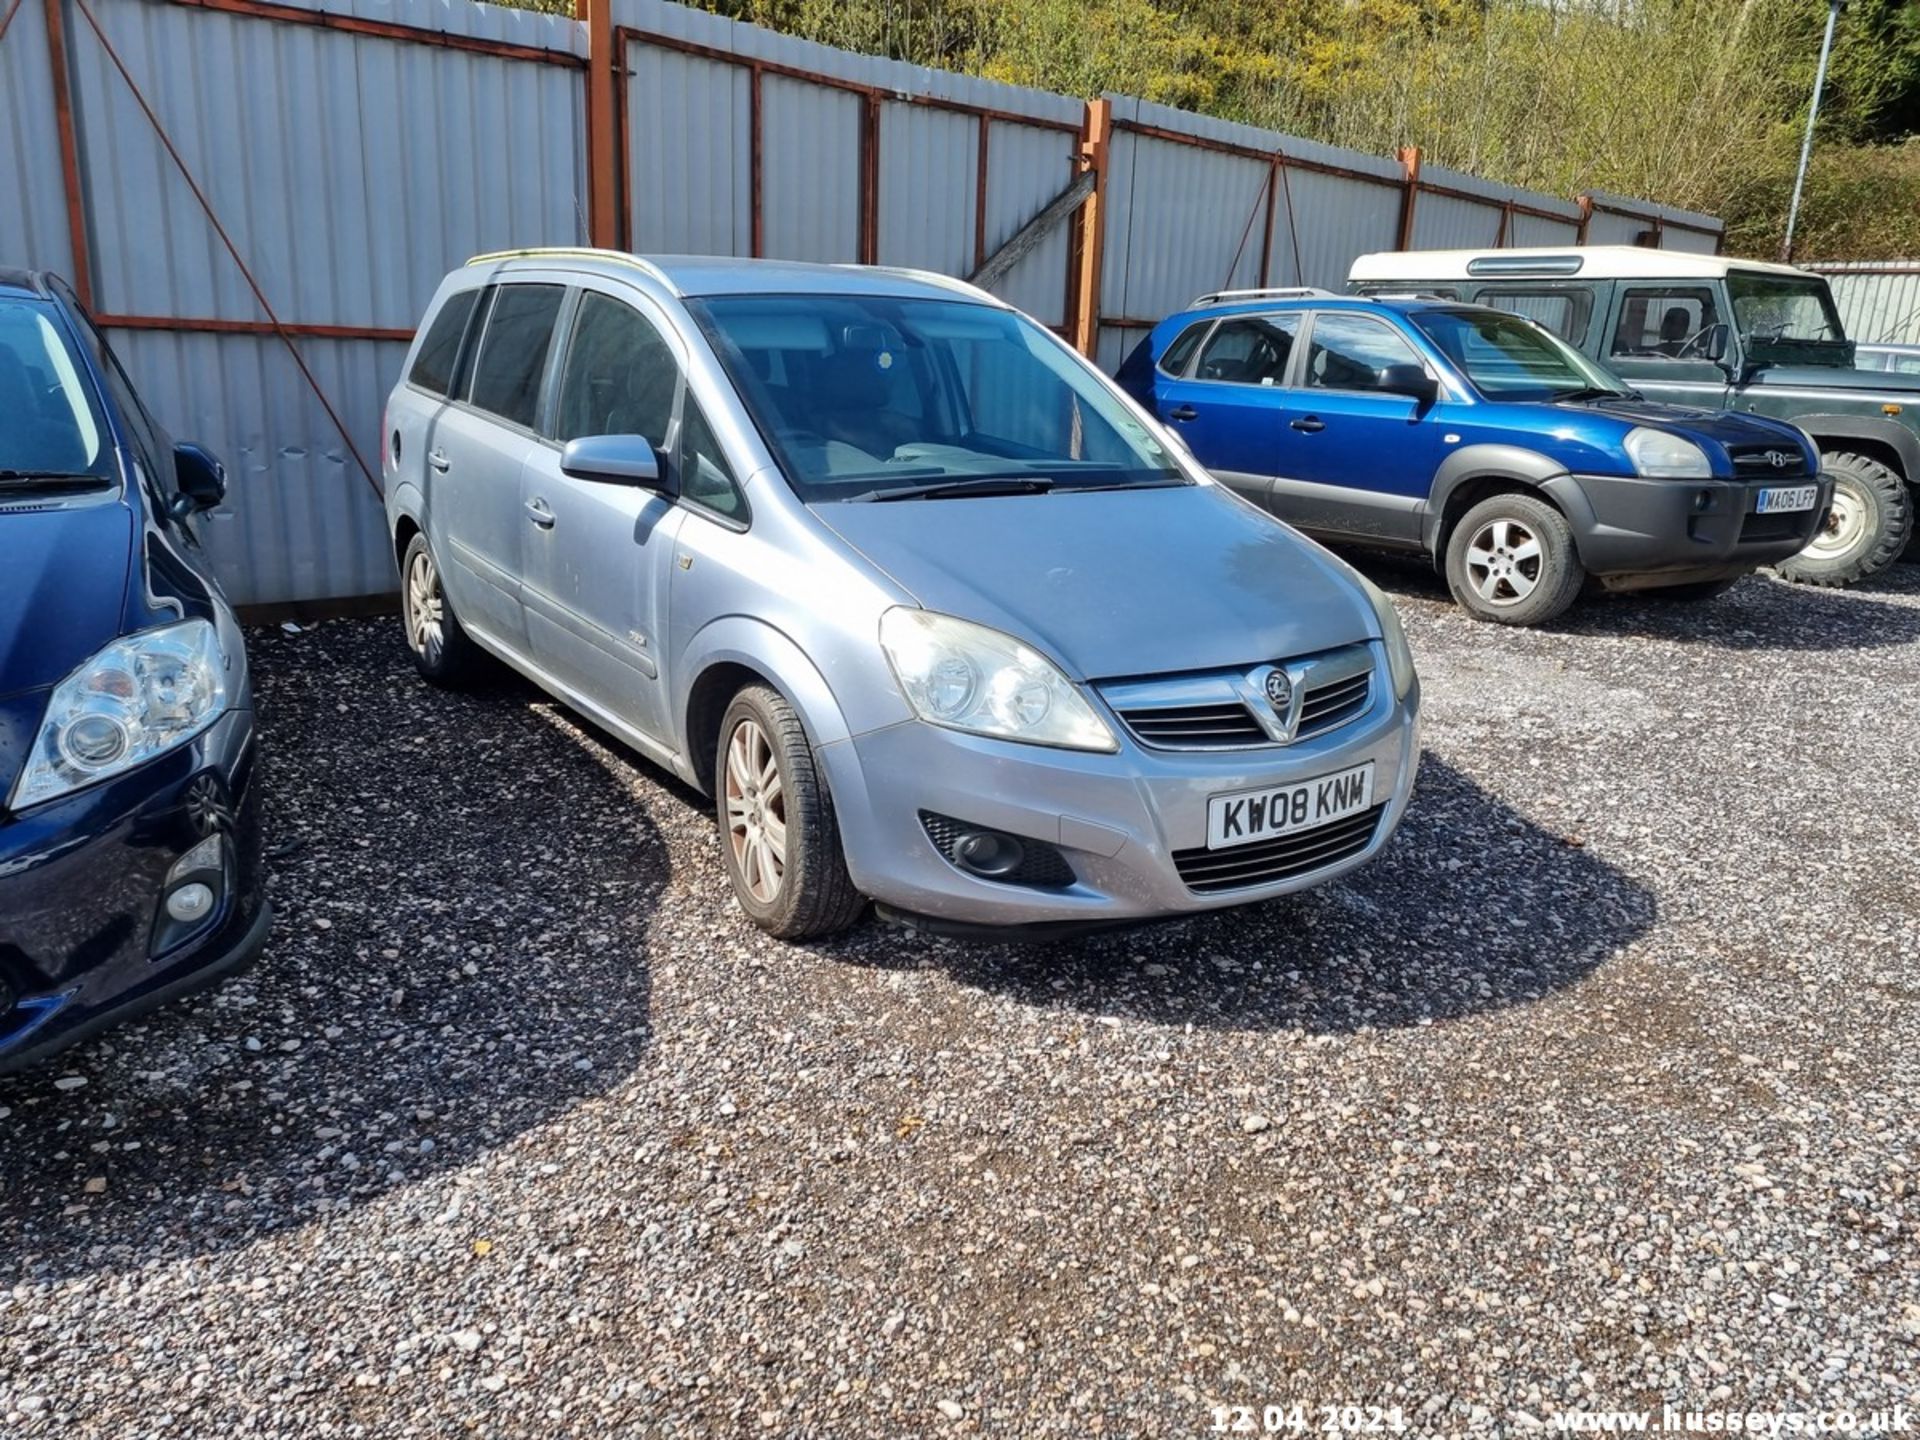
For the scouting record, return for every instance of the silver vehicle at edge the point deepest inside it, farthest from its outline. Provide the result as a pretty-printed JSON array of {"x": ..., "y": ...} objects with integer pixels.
[{"x": 937, "y": 615}]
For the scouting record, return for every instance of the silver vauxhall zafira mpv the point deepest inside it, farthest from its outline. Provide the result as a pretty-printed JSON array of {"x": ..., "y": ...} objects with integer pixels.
[{"x": 937, "y": 615}]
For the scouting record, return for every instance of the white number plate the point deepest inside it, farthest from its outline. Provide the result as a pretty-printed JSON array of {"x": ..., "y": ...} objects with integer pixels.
[
  {"x": 1792, "y": 497},
  {"x": 1248, "y": 815}
]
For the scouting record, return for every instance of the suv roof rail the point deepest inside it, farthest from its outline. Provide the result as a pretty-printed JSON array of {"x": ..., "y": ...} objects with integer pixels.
[
  {"x": 1403, "y": 295},
  {"x": 1282, "y": 292}
]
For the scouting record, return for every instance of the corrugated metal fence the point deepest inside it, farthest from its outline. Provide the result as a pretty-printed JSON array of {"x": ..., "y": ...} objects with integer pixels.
[
  {"x": 1879, "y": 300},
  {"x": 259, "y": 196}
]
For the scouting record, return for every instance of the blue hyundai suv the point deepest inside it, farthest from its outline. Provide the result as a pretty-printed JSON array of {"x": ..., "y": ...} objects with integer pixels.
[
  {"x": 130, "y": 858},
  {"x": 1477, "y": 436}
]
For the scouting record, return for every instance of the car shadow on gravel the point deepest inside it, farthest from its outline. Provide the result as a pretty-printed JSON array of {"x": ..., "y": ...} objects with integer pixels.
[
  {"x": 460, "y": 954},
  {"x": 1761, "y": 613},
  {"x": 1470, "y": 908}
]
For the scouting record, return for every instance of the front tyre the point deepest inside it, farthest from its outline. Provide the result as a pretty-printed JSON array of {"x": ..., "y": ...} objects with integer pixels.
[
  {"x": 442, "y": 650},
  {"x": 778, "y": 834},
  {"x": 1511, "y": 560},
  {"x": 1865, "y": 529}
]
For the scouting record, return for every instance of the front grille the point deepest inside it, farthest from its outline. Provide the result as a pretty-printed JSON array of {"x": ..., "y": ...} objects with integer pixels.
[
  {"x": 1753, "y": 460},
  {"x": 1327, "y": 706},
  {"x": 1196, "y": 727},
  {"x": 1041, "y": 866},
  {"x": 1207, "y": 872}
]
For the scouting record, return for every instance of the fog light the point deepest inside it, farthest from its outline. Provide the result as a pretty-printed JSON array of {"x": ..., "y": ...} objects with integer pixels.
[
  {"x": 986, "y": 853},
  {"x": 189, "y": 903},
  {"x": 1703, "y": 500}
]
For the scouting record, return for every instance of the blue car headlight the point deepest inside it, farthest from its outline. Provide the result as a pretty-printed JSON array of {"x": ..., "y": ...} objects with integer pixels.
[{"x": 140, "y": 697}]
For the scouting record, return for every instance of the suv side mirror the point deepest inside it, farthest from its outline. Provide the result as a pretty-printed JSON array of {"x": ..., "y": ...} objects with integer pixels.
[
  {"x": 614, "y": 460},
  {"x": 1715, "y": 341},
  {"x": 1407, "y": 380},
  {"x": 200, "y": 479}
]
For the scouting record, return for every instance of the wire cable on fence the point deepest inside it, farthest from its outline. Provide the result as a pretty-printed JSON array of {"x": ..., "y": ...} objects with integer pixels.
[
  {"x": 7, "y": 19},
  {"x": 226, "y": 240}
]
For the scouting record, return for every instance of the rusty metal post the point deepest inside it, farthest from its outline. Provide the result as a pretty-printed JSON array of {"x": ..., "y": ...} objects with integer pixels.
[
  {"x": 756, "y": 177},
  {"x": 78, "y": 247},
  {"x": 603, "y": 148},
  {"x": 1586, "y": 218},
  {"x": 870, "y": 180},
  {"x": 1410, "y": 192},
  {"x": 1090, "y": 236}
]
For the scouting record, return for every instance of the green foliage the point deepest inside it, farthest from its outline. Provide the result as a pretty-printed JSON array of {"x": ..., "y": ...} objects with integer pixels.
[{"x": 1698, "y": 103}]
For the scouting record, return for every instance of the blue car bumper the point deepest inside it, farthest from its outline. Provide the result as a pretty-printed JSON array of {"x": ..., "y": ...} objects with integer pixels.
[{"x": 85, "y": 939}]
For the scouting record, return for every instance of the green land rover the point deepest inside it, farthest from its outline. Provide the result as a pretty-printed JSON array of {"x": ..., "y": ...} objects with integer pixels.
[{"x": 1722, "y": 334}]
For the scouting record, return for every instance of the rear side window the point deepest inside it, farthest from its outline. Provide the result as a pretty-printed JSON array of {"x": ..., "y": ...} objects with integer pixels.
[
  {"x": 1250, "y": 350},
  {"x": 1663, "y": 323},
  {"x": 1174, "y": 362},
  {"x": 513, "y": 351},
  {"x": 433, "y": 366},
  {"x": 619, "y": 377},
  {"x": 1350, "y": 351},
  {"x": 1564, "y": 312}
]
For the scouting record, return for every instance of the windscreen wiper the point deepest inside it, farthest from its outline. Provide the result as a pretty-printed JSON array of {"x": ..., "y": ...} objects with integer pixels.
[
  {"x": 961, "y": 489},
  {"x": 11, "y": 478},
  {"x": 1591, "y": 392}
]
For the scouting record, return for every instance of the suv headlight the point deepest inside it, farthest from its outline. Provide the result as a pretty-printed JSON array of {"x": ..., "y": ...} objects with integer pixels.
[
  {"x": 967, "y": 677},
  {"x": 1660, "y": 456},
  {"x": 140, "y": 697},
  {"x": 1393, "y": 635}
]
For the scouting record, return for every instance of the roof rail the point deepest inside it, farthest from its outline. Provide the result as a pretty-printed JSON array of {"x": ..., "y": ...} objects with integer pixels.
[
  {"x": 1284, "y": 292},
  {"x": 1403, "y": 295}
]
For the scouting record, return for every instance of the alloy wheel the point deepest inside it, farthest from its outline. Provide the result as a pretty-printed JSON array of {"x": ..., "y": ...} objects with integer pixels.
[
  {"x": 756, "y": 811},
  {"x": 1504, "y": 561},
  {"x": 426, "y": 631}
]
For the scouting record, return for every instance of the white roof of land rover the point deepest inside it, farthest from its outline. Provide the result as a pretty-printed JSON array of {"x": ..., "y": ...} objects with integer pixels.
[{"x": 1588, "y": 262}]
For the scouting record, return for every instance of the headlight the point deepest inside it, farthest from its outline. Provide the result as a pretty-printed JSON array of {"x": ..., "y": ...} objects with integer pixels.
[
  {"x": 967, "y": 677},
  {"x": 1658, "y": 455},
  {"x": 141, "y": 696},
  {"x": 1394, "y": 635}
]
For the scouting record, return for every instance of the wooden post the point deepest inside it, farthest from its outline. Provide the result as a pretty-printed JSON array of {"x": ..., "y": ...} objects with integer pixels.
[
  {"x": 82, "y": 277},
  {"x": 1410, "y": 171},
  {"x": 604, "y": 152},
  {"x": 1091, "y": 234}
]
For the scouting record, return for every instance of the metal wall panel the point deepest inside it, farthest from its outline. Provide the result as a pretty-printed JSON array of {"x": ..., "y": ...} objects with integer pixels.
[
  {"x": 1879, "y": 302},
  {"x": 1026, "y": 168},
  {"x": 928, "y": 176},
  {"x": 33, "y": 214},
  {"x": 1443, "y": 222},
  {"x": 810, "y": 173},
  {"x": 689, "y": 133},
  {"x": 1533, "y": 230}
]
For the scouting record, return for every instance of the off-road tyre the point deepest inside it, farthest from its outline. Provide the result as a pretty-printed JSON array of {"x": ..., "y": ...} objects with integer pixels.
[{"x": 1866, "y": 528}]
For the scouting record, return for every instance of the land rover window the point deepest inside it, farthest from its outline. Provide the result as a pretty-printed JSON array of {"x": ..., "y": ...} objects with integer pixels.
[
  {"x": 1174, "y": 362},
  {"x": 440, "y": 351},
  {"x": 1564, "y": 312},
  {"x": 619, "y": 377},
  {"x": 1783, "y": 313},
  {"x": 513, "y": 351},
  {"x": 1249, "y": 350},
  {"x": 1664, "y": 322},
  {"x": 1348, "y": 352}
]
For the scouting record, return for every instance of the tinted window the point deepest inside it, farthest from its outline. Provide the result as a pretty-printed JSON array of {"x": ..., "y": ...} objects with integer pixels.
[
  {"x": 1661, "y": 324},
  {"x": 1349, "y": 351},
  {"x": 433, "y": 366},
  {"x": 1250, "y": 350},
  {"x": 52, "y": 425},
  {"x": 619, "y": 378},
  {"x": 1174, "y": 362},
  {"x": 1564, "y": 312},
  {"x": 705, "y": 477},
  {"x": 513, "y": 352}
]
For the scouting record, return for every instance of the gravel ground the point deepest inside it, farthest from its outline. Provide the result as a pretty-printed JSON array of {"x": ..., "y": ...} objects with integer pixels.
[{"x": 1598, "y": 1090}]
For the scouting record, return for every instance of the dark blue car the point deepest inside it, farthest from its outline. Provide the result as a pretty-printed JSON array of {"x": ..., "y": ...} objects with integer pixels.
[
  {"x": 130, "y": 855},
  {"x": 1477, "y": 436}
]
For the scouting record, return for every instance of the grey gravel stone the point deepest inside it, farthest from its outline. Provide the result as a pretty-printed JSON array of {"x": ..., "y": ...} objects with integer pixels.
[{"x": 1598, "y": 1089}]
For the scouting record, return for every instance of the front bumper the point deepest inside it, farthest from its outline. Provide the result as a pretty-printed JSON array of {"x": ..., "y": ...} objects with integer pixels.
[
  {"x": 1118, "y": 820},
  {"x": 82, "y": 945},
  {"x": 1625, "y": 526}
]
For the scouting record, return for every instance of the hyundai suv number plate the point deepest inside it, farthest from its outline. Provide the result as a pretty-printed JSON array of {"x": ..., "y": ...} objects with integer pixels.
[
  {"x": 1248, "y": 815},
  {"x": 1792, "y": 497}
]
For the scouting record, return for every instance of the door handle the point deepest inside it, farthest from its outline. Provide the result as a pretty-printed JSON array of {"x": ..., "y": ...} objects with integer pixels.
[
  {"x": 439, "y": 461},
  {"x": 1309, "y": 424},
  {"x": 539, "y": 514},
  {"x": 1183, "y": 412}
]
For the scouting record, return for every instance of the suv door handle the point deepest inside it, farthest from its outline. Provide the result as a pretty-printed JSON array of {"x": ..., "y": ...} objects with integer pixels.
[
  {"x": 539, "y": 514},
  {"x": 1309, "y": 424},
  {"x": 438, "y": 460},
  {"x": 1183, "y": 412}
]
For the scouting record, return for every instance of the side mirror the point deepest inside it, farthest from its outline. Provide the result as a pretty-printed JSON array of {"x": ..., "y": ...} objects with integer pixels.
[
  {"x": 1407, "y": 380},
  {"x": 200, "y": 479},
  {"x": 1715, "y": 341},
  {"x": 614, "y": 460}
]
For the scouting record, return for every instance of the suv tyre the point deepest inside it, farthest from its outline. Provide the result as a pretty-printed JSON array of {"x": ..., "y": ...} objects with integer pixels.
[
  {"x": 1866, "y": 528},
  {"x": 778, "y": 835},
  {"x": 1511, "y": 560}
]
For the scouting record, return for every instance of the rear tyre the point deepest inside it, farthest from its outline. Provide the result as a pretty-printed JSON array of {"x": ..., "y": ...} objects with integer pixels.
[
  {"x": 1511, "y": 560},
  {"x": 442, "y": 651},
  {"x": 779, "y": 838},
  {"x": 1696, "y": 590},
  {"x": 1865, "y": 529}
]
